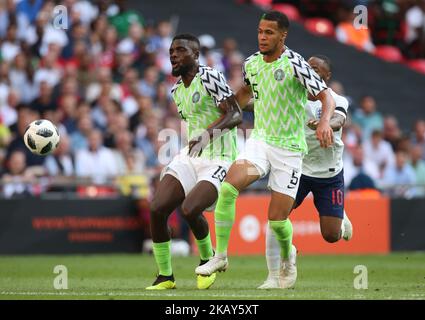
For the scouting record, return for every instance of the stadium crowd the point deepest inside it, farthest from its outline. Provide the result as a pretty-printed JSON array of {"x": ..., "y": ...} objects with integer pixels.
[
  {"x": 105, "y": 82},
  {"x": 396, "y": 23}
]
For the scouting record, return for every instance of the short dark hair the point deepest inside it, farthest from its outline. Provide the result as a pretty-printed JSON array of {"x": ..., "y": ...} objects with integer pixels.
[
  {"x": 189, "y": 37},
  {"x": 281, "y": 19},
  {"x": 325, "y": 59}
]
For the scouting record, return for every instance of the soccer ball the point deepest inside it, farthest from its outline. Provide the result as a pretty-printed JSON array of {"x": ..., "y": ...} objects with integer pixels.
[{"x": 41, "y": 137}]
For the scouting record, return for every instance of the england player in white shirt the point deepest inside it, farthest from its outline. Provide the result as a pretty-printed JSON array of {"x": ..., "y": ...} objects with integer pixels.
[{"x": 322, "y": 174}]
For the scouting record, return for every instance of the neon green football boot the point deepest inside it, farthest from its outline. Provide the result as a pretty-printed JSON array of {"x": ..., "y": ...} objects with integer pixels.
[
  {"x": 204, "y": 282},
  {"x": 163, "y": 283}
]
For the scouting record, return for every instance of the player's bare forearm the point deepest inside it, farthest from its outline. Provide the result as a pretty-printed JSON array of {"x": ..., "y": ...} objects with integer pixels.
[
  {"x": 243, "y": 96},
  {"x": 231, "y": 117},
  {"x": 328, "y": 104},
  {"x": 337, "y": 122},
  {"x": 324, "y": 132}
]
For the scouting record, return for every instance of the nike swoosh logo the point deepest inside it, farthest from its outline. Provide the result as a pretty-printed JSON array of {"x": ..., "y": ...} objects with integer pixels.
[{"x": 254, "y": 74}]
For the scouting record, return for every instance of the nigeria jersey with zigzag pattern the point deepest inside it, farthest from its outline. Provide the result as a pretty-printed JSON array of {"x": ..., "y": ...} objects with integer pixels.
[
  {"x": 280, "y": 89},
  {"x": 198, "y": 107}
]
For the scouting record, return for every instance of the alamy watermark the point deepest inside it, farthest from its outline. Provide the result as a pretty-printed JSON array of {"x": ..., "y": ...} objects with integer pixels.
[
  {"x": 360, "y": 281},
  {"x": 60, "y": 17},
  {"x": 360, "y": 21},
  {"x": 61, "y": 280}
]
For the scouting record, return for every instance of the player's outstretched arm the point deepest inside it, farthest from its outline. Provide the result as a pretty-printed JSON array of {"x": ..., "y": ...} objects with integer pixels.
[
  {"x": 232, "y": 116},
  {"x": 324, "y": 132},
  {"x": 337, "y": 122},
  {"x": 243, "y": 96}
]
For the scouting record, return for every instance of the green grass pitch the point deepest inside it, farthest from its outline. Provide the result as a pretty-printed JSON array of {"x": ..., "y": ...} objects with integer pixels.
[{"x": 395, "y": 276}]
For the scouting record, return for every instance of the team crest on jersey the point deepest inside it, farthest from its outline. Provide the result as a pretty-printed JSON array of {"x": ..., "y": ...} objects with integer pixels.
[
  {"x": 196, "y": 96},
  {"x": 279, "y": 75}
]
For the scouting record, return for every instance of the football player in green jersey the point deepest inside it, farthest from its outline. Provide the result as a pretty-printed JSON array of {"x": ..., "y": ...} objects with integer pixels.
[
  {"x": 194, "y": 177},
  {"x": 280, "y": 81}
]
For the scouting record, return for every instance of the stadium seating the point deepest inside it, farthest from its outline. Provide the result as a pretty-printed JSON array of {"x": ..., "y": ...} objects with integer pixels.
[
  {"x": 263, "y": 3},
  {"x": 320, "y": 27},
  {"x": 417, "y": 65},
  {"x": 388, "y": 53},
  {"x": 291, "y": 11}
]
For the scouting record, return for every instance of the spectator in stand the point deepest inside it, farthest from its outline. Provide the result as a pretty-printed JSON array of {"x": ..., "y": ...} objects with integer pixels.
[
  {"x": 129, "y": 88},
  {"x": 367, "y": 117},
  {"x": 96, "y": 162},
  {"x": 10, "y": 46},
  {"x": 117, "y": 122},
  {"x": 419, "y": 136},
  {"x": 148, "y": 142},
  {"x": 102, "y": 108},
  {"x": 79, "y": 138},
  {"x": 379, "y": 151},
  {"x": 21, "y": 74},
  {"x": 45, "y": 99},
  {"x": 147, "y": 86},
  {"x": 160, "y": 43},
  {"x": 362, "y": 172},
  {"x": 385, "y": 22},
  {"x": 17, "y": 179},
  {"x": 61, "y": 162},
  {"x": 404, "y": 144},
  {"x": 415, "y": 35},
  {"x": 208, "y": 56},
  {"x": 145, "y": 107},
  {"x": 129, "y": 160},
  {"x": 8, "y": 111},
  {"x": 68, "y": 112},
  {"x": 25, "y": 116},
  {"x": 49, "y": 71},
  {"x": 400, "y": 177},
  {"x": 392, "y": 132},
  {"x": 230, "y": 55},
  {"x": 124, "y": 18},
  {"x": 418, "y": 165},
  {"x": 103, "y": 85}
]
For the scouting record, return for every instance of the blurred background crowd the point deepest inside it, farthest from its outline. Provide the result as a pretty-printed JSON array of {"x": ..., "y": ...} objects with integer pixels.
[{"x": 105, "y": 82}]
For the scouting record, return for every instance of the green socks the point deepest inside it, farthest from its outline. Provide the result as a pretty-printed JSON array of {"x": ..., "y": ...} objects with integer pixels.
[
  {"x": 162, "y": 253},
  {"x": 225, "y": 211},
  {"x": 205, "y": 247},
  {"x": 283, "y": 232}
]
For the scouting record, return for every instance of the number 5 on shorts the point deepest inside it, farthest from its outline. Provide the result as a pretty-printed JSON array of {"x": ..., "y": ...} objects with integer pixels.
[{"x": 294, "y": 180}]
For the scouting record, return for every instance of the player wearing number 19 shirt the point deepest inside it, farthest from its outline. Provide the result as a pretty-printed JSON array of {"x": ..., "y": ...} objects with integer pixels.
[
  {"x": 193, "y": 178},
  {"x": 322, "y": 175}
]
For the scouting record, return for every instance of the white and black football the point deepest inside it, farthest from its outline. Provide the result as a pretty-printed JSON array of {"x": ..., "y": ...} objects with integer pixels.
[{"x": 41, "y": 137}]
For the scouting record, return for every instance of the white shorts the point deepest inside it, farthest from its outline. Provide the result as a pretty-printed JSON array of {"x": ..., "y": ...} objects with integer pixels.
[
  {"x": 284, "y": 165},
  {"x": 191, "y": 170}
]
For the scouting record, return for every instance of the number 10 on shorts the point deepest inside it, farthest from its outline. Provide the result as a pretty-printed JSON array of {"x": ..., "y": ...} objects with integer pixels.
[{"x": 337, "y": 197}]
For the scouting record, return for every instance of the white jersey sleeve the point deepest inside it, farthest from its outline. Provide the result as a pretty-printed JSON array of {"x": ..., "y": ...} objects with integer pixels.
[
  {"x": 341, "y": 104},
  {"x": 215, "y": 84}
]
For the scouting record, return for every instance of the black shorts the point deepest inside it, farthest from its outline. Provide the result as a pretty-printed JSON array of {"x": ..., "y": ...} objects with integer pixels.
[{"x": 328, "y": 194}]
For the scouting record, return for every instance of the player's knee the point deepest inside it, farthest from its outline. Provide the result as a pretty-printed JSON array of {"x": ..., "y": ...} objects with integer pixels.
[
  {"x": 331, "y": 236},
  {"x": 189, "y": 211},
  {"x": 157, "y": 209}
]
